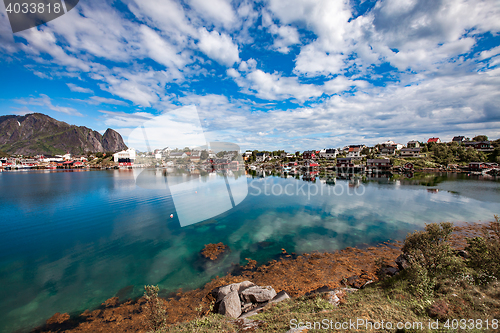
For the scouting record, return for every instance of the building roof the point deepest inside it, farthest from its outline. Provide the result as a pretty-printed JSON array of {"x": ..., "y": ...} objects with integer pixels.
[
  {"x": 378, "y": 160},
  {"x": 458, "y": 138},
  {"x": 433, "y": 140}
]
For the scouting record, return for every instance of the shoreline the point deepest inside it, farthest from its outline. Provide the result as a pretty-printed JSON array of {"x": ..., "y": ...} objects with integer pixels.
[{"x": 298, "y": 276}]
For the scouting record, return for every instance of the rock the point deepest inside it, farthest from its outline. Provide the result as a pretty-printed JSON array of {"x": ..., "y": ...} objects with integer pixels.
[
  {"x": 402, "y": 261},
  {"x": 230, "y": 305},
  {"x": 463, "y": 253},
  {"x": 258, "y": 294},
  {"x": 58, "y": 319},
  {"x": 297, "y": 330},
  {"x": 334, "y": 297},
  {"x": 112, "y": 302},
  {"x": 350, "y": 290},
  {"x": 220, "y": 292},
  {"x": 245, "y": 307},
  {"x": 257, "y": 309},
  {"x": 359, "y": 281},
  {"x": 366, "y": 283},
  {"x": 391, "y": 271},
  {"x": 248, "y": 325},
  {"x": 281, "y": 296}
]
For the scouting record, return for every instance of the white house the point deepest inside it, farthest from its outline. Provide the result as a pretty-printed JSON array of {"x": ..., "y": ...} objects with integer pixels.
[
  {"x": 261, "y": 157},
  {"x": 354, "y": 153},
  {"x": 328, "y": 153},
  {"x": 125, "y": 156},
  {"x": 178, "y": 155}
]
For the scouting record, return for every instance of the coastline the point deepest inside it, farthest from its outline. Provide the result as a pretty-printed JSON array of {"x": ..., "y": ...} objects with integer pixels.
[{"x": 298, "y": 275}]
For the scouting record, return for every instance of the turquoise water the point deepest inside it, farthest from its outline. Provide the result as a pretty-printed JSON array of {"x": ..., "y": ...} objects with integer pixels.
[{"x": 71, "y": 240}]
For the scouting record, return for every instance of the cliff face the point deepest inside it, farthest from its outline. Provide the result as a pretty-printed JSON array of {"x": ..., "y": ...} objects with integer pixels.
[{"x": 37, "y": 133}]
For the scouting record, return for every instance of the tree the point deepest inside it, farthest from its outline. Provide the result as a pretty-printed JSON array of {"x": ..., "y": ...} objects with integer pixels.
[
  {"x": 480, "y": 138},
  {"x": 204, "y": 155}
]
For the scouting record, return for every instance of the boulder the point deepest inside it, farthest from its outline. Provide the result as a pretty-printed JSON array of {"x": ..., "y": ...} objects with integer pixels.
[
  {"x": 281, "y": 296},
  {"x": 390, "y": 271},
  {"x": 334, "y": 297},
  {"x": 230, "y": 305},
  {"x": 258, "y": 294},
  {"x": 463, "y": 253},
  {"x": 402, "y": 261},
  {"x": 221, "y": 292}
]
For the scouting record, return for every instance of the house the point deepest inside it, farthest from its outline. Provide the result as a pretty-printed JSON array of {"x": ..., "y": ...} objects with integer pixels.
[
  {"x": 309, "y": 154},
  {"x": 125, "y": 157},
  {"x": 389, "y": 143},
  {"x": 246, "y": 155},
  {"x": 434, "y": 140},
  {"x": 178, "y": 155},
  {"x": 477, "y": 166},
  {"x": 230, "y": 155},
  {"x": 311, "y": 164},
  {"x": 408, "y": 166},
  {"x": 479, "y": 146},
  {"x": 388, "y": 150},
  {"x": 261, "y": 157},
  {"x": 410, "y": 152},
  {"x": 329, "y": 153},
  {"x": 345, "y": 162},
  {"x": 354, "y": 152},
  {"x": 458, "y": 139},
  {"x": 413, "y": 144},
  {"x": 378, "y": 163},
  {"x": 195, "y": 156}
]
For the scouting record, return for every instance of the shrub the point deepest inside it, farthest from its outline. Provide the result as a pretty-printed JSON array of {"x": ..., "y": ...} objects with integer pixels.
[
  {"x": 484, "y": 254},
  {"x": 154, "y": 310},
  {"x": 431, "y": 257}
]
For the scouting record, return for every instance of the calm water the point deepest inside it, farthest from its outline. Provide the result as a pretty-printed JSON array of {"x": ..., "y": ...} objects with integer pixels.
[{"x": 71, "y": 240}]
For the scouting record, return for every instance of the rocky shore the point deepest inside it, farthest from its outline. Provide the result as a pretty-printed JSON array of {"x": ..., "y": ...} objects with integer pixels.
[{"x": 245, "y": 294}]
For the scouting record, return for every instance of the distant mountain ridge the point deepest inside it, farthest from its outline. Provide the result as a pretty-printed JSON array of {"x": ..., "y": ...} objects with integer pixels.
[{"x": 36, "y": 133}]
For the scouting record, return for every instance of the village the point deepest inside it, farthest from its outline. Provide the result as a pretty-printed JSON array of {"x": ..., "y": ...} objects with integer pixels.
[{"x": 460, "y": 154}]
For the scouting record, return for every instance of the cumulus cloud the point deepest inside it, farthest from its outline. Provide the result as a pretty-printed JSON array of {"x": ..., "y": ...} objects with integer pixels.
[{"x": 219, "y": 47}]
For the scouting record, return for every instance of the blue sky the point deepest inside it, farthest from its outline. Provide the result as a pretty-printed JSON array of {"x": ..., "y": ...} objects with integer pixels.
[{"x": 272, "y": 74}]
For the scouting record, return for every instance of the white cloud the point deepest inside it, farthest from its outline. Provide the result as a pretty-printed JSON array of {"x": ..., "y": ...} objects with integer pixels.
[
  {"x": 75, "y": 88},
  {"x": 123, "y": 119},
  {"x": 219, "y": 47},
  {"x": 276, "y": 87},
  {"x": 102, "y": 100},
  {"x": 161, "y": 51},
  {"x": 45, "y": 101},
  {"x": 284, "y": 35},
  {"x": 217, "y": 12}
]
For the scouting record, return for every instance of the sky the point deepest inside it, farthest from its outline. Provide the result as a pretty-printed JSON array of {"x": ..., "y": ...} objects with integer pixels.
[{"x": 288, "y": 74}]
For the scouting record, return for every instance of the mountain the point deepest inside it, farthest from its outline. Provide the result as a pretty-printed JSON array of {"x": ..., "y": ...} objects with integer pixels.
[{"x": 37, "y": 133}]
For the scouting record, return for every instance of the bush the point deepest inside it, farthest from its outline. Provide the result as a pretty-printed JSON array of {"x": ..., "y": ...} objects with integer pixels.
[
  {"x": 431, "y": 257},
  {"x": 484, "y": 254},
  {"x": 154, "y": 311}
]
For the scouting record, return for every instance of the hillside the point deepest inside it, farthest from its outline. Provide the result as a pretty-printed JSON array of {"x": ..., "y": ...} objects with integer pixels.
[{"x": 37, "y": 133}]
